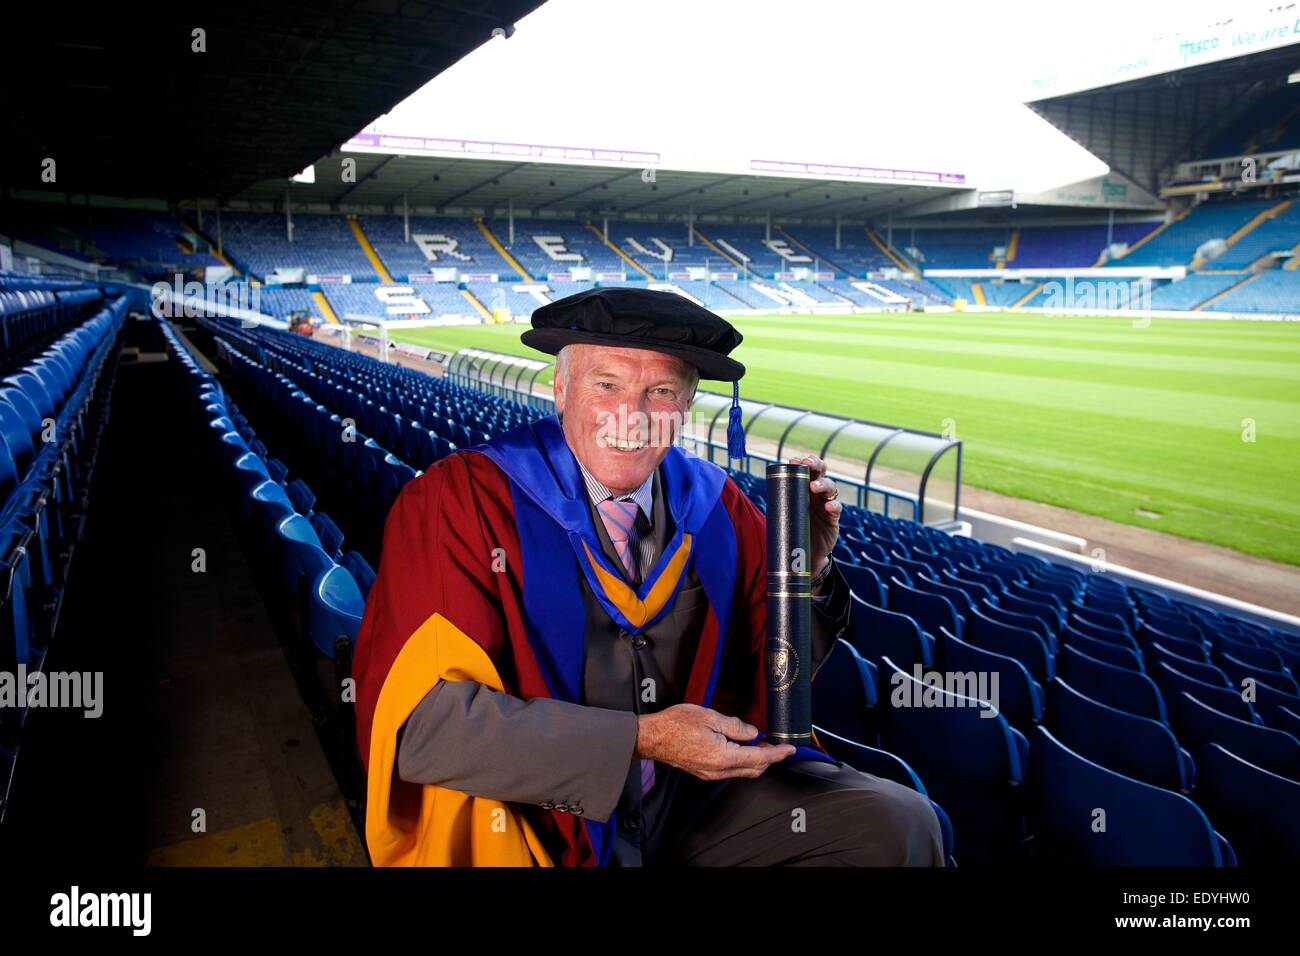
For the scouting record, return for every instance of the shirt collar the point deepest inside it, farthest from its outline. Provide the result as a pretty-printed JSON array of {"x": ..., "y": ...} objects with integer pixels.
[{"x": 643, "y": 496}]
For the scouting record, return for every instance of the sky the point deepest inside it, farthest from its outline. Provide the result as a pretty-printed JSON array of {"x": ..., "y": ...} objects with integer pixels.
[{"x": 711, "y": 84}]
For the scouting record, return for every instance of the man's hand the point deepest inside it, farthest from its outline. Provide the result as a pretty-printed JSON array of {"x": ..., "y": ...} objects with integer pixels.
[
  {"x": 824, "y": 510},
  {"x": 703, "y": 742}
]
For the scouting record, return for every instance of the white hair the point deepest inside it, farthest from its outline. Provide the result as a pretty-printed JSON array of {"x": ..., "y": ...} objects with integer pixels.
[{"x": 563, "y": 357}]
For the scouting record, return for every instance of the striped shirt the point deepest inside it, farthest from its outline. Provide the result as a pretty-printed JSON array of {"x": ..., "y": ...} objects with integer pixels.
[{"x": 644, "y": 498}]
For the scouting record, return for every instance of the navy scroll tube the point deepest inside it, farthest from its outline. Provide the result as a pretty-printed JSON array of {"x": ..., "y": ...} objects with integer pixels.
[{"x": 788, "y": 656}]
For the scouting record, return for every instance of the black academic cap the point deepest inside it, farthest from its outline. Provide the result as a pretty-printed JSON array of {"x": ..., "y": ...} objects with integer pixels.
[{"x": 639, "y": 319}]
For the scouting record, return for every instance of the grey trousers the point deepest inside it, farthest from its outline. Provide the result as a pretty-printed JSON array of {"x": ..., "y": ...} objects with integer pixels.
[{"x": 801, "y": 814}]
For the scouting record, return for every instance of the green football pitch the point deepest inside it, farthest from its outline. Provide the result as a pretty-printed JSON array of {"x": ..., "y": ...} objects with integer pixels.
[{"x": 1189, "y": 426}]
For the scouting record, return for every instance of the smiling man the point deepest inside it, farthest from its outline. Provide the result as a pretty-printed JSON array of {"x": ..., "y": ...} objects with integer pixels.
[{"x": 561, "y": 657}]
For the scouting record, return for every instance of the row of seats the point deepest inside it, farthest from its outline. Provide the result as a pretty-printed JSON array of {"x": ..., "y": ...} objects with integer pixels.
[
  {"x": 1166, "y": 714},
  {"x": 52, "y": 412},
  {"x": 325, "y": 584},
  {"x": 34, "y": 310}
]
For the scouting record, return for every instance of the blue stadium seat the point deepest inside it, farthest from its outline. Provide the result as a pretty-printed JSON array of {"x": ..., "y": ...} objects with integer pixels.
[
  {"x": 1019, "y": 696},
  {"x": 1115, "y": 654},
  {"x": 844, "y": 693},
  {"x": 1116, "y": 687},
  {"x": 1099, "y": 633},
  {"x": 1024, "y": 622},
  {"x": 303, "y": 498},
  {"x": 1086, "y": 815},
  {"x": 932, "y": 612},
  {"x": 1167, "y": 631},
  {"x": 864, "y": 583},
  {"x": 1170, "y": 681},
  {"x": 1258, "y": 811},
  {"x": 1239, "y": 671},
  {"x": 1199, "y": 669},
  {"x": 1199, "y": 725},
  {"x": 1269, "y": 700},
  {"x": 1255, "y": 656},
  {"x": 887, "y": 766},
  {"x": 331, "y": 538},
  {"x": 958, "y": 598},
  {"x": 970, "y": 763},
  {"x": 335, "y": 609},
  {"x": 875, "y": 633},
  {"x": 360, "y": 570},
  {"x": 1134, "y": 746},
  {"x": 302, "y": 557},
  {"x": 1050, "y": 616},
  {"x": 277, "y": 469},
  {"x": 1025, "y": 646}
]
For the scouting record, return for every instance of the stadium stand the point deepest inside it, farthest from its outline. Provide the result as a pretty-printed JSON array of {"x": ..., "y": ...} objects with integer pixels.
[
  {"x": 435, "y": 242},
  {"x": 323, "y": 244},
  {"x": 936, "y": 248},
  {"x": 746, "y": 247},
  {"x": 1064, "y": 246},
  {"x": 1279, "y": 233},
  {"x": 146, "y": 239},
  {"x": 283, "y": 302},
  {"x": 1275, "y": 291},
  {"x": 576, "y": 247},
  {"x": 1191, "y": 291},
  {"x": 856, "y": 256},
  {"x": 659, "y": 249},
  {"x": 1177, "y": 243}
]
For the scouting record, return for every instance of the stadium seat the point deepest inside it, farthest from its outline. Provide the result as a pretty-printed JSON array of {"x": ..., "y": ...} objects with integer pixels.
[
  {"x": 1019, "y": 697},
  {"x": 335, "y": 610},
  {"x": 1254, "y": 656},
  {"x": 1116, "y": 687},
  {"x": 331, "y": 538},
  {"x": 864, "y": 583},
  {"x": 932, "y": 612},
  {"x": 1024, "y": 622},
  {"x": 1284, "y": 718},
  {"x": 1086, "y": 815},
  {"x": 271, "y": 505},
  {"x": 302, "y": 557},
  {"x": 1198, "y": 725},
  {"x": 1223, "y": 699},
  {"x": 844, "y": 693},
  {"x": 1199, "y": 669},
  {"x": 970, "y": 763},
  {"x": 1098, "y": 633},
  {"x": 887, "y": 766},
  {"x": 1134, "y": 746},
  {"x": 1269, "y": 700},
  {"x": 302, "y": 497},
  {"x": 360, "y": 570},
  {"x": 1115, "y": 654},
  {"x": 875, "y": 633},
  {"x": 1258, "y": 811},
  {"x": 1239, "y": 671},
  {"x": 1050, "y": 616},
  {"x": 1025, "y": 646}
]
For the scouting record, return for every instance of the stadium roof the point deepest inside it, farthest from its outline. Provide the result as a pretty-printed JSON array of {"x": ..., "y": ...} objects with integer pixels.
[
  {"x": 456, "y": 184},
  {"x": 120, "y": 99},
  {"x": 1143, "y": 127}
]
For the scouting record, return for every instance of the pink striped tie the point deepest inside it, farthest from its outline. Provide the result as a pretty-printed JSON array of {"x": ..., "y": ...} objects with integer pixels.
[{"x": 620, "y": 523}]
